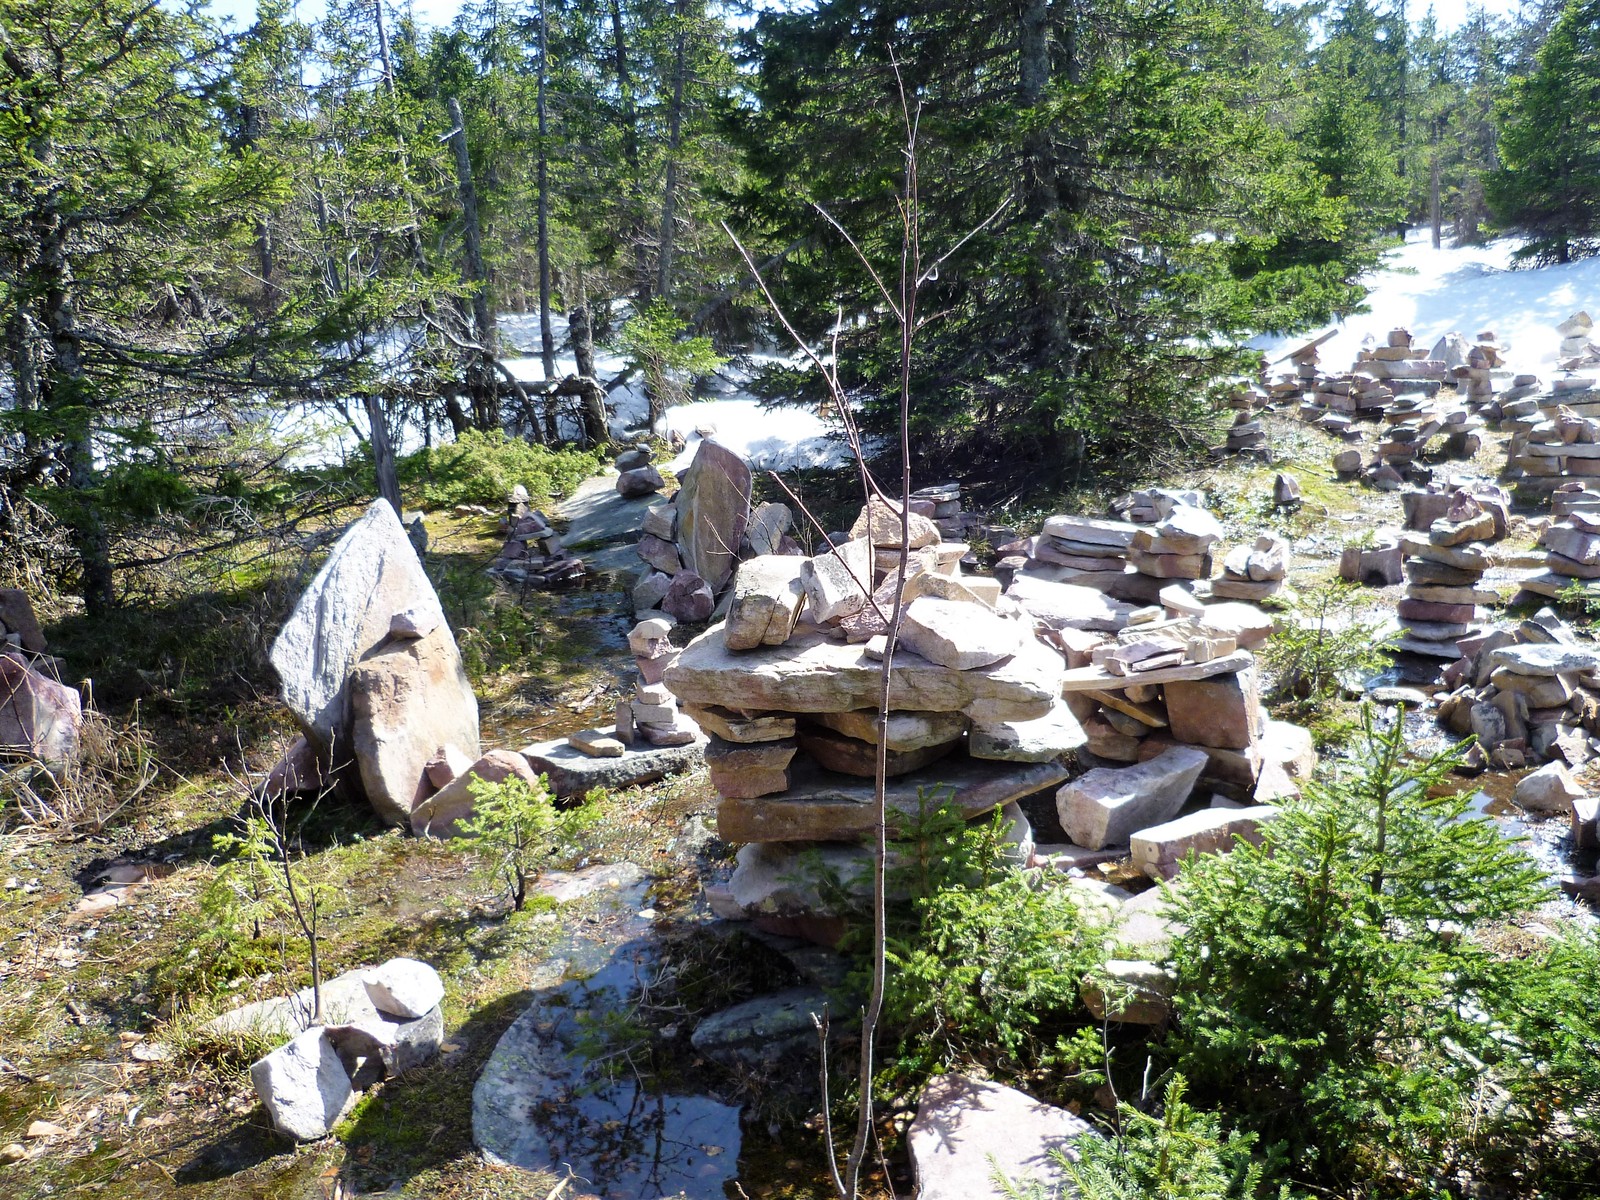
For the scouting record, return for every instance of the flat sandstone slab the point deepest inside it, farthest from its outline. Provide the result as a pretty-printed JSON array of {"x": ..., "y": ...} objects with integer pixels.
[
  {"x": 813, "y": 674},
  {"x": 822, "y": 806},
  {"x": 573, "y": 773},
  {"x": 1087, "y": 679}
]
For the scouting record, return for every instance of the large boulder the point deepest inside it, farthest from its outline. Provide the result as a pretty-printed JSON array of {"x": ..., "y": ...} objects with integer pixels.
[
  {"x": 39, "y": 717},
  {"x": 1108, "y": 805},
  {"x": 358, "y": 687},
  {"x": 973, "y": 1139},
  {"x": 407, "y": 700},
  {"x": 713, "y": 509},
  {"x": 304, "y": 1086},
  {"x": 371, "y": 574},
  {"x": 437, "y": 816},
  {"x": 16, "y": 617}
]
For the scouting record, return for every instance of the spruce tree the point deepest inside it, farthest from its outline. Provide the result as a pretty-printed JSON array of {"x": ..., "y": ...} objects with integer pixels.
[{"x": 1549, "y": 184}]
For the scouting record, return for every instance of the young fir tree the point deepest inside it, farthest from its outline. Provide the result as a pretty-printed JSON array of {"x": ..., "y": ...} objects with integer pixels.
[
  {"x": 1549, "y": 186},
  {"x": 1339, "y": 987}
]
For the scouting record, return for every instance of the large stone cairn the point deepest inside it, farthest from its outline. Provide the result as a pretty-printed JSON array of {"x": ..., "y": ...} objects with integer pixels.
[
  {"x": 1572, "y": 544},
  {"x": 1530, "y": 694},
  {"x": 1556, "y": 435},
  {"x": 786, "y": 686},
  {"x": 692, "y": 543},
  {"x": 533, "y": 555},
  {"x": 1442, "y": 568}
]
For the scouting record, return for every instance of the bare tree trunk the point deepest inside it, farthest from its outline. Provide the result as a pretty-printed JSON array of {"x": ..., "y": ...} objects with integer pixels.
[
  {"x": 547, "y": 346},
  {"x": 630, "y": 152},
  {"x": 481, "y": 384},
  {"x": 1435, "y": 212},
  {"x": 669, "y": 196},
  {"x": 382, "y": 451},
  {"x": 581, "y": 329}
]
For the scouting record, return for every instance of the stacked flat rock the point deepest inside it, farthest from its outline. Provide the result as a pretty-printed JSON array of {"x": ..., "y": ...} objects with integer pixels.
[
  {"x": 1578, "y": 348},
  {"x": 1246, "y": 436},
  {"x": 1178, "y": 546},
  {"x": 1572, "y": 553},
  {"x": 1531, "y": 695},
  {"x": 692, "y": 543},
  {"x": 786, "y": 687},
  {"x": 941, "y": 504},
  {"x": 1562, "y": 445},
  {"x": 533, "y": 554},
  {"x": 1399, "y": 358},
  {"x": 1177, "y": 683},
  {"x": 1090, "y": 552},
  {"x": 1255, "y": 572},
  {"x": 1302, "y": 375},
  {"x": 1442, "y": 570}
]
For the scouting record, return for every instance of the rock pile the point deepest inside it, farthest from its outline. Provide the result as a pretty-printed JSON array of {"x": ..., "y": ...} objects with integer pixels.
[
  {"x": 1577, "y": 349},
  {"x": 636, "y": 474},
  {"x": 1531, "y": 695},
  {"x": 533, "y": 555},
  {"x": 370, "y": 669},
  {"x": 1169, "y": 537},
  {"x": 1572, "y": 545},
  {"x": 692, "y": 543},
  {"x": 380, "y": 1022},
  {"x": 1442, "y": 571},
  {"x": 1255, "y": 572},
  {"x": 786, "y": 687},
  {"x": 41, "y": 719}
]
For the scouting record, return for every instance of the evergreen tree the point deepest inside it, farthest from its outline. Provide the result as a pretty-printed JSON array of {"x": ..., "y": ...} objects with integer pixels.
[
  {"x": 1549, "y": 186},
  {"x": 1147, "y": 192}
]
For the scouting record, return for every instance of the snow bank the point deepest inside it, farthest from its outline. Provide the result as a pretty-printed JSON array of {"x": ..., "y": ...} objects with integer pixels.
[{"x": 1468, "y": 289}]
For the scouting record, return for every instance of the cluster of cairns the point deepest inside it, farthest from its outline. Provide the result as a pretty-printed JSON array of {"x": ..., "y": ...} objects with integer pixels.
[
  {"x": 1164, "y": 537},
  {"x": 533, "y": 555},
  {"x": 1399, "y": 383},
  {"x": 41, "y": 718}
]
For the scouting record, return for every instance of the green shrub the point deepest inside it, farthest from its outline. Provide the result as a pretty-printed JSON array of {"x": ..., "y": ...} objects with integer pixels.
[
  {"x": 1318, "y": 644},
  {"x": 1337, "y": 986},
  {"x": 482, "y": 468},
  {"x": 1180, "y": 1155},
  {"x": 654, "y": 342}
]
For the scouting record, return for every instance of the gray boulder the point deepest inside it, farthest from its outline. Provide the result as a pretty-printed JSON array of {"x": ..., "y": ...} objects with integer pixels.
[
  {"x": 303, "y": 1086},
  {"x": 1108, "y": 805}
]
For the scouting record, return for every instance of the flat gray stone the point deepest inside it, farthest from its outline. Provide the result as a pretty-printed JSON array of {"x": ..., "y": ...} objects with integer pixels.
[
  {"x": 1109, "y": 804},
  {"x": 574, "y": 773},
  {"x": 960, "y": 636},
  {"x": 823, "y": 806},
  {"x": 814, "y": 674},
  {"x": 766, "y": 601},
  {"x": 758, "y": 1034},
  {"x": 1158, "y": 850},
  {"x": 1039, "y": 740},
  {"x": 1094, "y": 530},
  {"x": 303, "y": 1086},
  {"x": 1068, "y": 605},
  {"x": 602, "y": 526},
  {"x": 969, "y": 1131},
  {"x": 1548, "y": 658}
]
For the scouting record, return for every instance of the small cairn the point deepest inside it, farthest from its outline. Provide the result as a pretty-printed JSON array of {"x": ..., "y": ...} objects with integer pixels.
[
  {"x": 533, "y": 555},
  {"x": 1577, "y": 349},
  {"x": 636, "y": 473},
  {"x": 1442, "y": 572},
  {"x": 1529, "y": 694},
  {"x": 1572, "y": 545},
  {"x": 1247, "y": 436},
  {"x": 1255, "y": 572}
]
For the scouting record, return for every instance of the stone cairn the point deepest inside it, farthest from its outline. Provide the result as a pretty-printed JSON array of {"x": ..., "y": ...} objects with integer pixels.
[
  {"x": 1247, "y": 436},
  {"x": 533, "y": 555},
  {"x": 1572, "y": 544},
  {"x": 1442, "y": 571},
  {"x": 1556, "y": 435},
  {"x": 41, "y": 718},
  {"x": 692, "y": 543},
  {"x": 786, "y": 687},
  {"x": 1530, "y": 694},
  {"x": 636, "y": 473}
]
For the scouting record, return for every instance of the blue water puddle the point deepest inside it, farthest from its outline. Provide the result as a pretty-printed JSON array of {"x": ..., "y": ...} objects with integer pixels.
[{"x": 568, "y": 1091}]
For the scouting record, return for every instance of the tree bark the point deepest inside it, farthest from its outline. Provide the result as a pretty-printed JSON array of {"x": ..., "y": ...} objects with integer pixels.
[
  {"x": 581, "y": 329},
  {"x": 547, "y": 347},
  {"x": 382, "y": 451},
  {"x": 480, "y": 369},
  {"x": 630, "y": 152},
  {"x": 669, "y": 195}
]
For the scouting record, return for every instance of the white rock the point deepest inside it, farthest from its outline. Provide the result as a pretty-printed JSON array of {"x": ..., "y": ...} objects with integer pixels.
[
  {"x": 404, "y": 987},
  {"x": 1550, "y": 789},
  {"x": 1039, "y": 740},
  {"x": 959, "y": 636},
  {"x": 969, "y": 1135},
  {"x": 303, "y": 1086},
  {"x": 837, "y": 582}
]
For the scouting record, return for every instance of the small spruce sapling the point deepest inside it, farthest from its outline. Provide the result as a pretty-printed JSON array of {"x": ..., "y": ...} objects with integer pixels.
[{"x": 516, "y": 830}]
